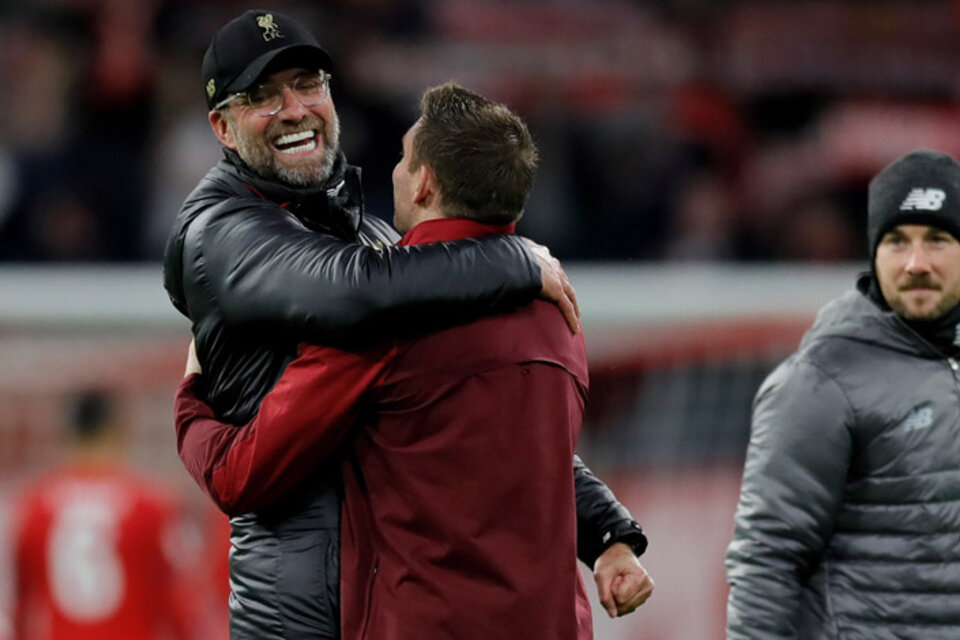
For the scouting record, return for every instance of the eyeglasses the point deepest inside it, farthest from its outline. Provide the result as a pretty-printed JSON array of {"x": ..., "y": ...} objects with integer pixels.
[{"x": 267, "y": 99}]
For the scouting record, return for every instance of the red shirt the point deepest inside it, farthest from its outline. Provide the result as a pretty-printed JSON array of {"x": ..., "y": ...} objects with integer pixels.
[
  {"x": 91, "y": 560},
  {"x": 459, "y": 516}
]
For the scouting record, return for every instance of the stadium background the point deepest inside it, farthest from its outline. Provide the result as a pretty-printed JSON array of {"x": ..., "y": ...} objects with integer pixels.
[{"x": 703, "y": 177}]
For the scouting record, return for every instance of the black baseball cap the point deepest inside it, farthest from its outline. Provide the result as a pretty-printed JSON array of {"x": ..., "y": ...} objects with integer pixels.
[{"x": 252, "y": 43}]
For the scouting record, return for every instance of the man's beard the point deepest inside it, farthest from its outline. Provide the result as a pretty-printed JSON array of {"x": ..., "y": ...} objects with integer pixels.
[
  {"x": 260, "y": 157},
  {"x": 948, "y": 300}
]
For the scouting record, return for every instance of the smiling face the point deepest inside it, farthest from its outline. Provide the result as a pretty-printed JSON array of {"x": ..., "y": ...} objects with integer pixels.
[
  {"x": 918, "y": 268},
  {"x": 297, "y": 146}
]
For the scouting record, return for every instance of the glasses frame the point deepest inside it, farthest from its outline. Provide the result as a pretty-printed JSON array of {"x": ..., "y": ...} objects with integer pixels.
[{"x": 324, "y": 77}]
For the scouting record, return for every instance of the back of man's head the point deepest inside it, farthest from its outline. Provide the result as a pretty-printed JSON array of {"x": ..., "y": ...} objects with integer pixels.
[
  {"x": 481, "y": 153},
  {"x": 92, "y": 416},
  {"x": 921, "y": 188}
]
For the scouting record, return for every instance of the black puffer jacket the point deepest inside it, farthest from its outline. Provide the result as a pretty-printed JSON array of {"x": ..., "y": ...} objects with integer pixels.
[{"x": 259, "y": 268}]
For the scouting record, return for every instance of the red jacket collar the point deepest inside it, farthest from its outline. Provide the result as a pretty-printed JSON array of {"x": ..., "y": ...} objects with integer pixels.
[{"x": 447, "y": 229}]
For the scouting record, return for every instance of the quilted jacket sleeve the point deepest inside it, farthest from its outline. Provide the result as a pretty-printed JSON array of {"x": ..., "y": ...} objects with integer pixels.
[
  {"x": 793, "y": 484},
  {"x": 601, "y": 519},
  {"x": 262, "y": 269}
]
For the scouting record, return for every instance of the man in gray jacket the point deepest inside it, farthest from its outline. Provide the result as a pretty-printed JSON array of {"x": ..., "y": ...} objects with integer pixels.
[{"x": 848, "y": 524}]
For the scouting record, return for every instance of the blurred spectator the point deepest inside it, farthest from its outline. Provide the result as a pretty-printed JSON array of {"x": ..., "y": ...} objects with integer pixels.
[
  {"x": 96, "y": 547},
  {"x": 79, "y": 113},
  {"x": 34, "y": 121},
  {"x": 702, "y": 225},
  {"x": 818, "y": 230},
  {"x": 626, "y": 170},
  {"x": 182, "y": 148}
]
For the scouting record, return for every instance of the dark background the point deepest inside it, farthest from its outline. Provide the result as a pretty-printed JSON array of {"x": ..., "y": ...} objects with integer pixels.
[{"x": 683, "y": 130}]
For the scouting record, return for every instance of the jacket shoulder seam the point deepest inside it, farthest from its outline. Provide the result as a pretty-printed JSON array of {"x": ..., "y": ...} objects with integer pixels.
[{"x": 813, "y": 362}]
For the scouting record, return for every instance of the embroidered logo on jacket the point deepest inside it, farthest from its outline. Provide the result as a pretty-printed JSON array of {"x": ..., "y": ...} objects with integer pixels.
[
  {"x": 923, "y": 200},
  {"x": 918, "y": 418}
]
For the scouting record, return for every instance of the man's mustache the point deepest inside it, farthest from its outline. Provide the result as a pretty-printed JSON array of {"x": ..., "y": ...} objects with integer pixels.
[{"x": 922, "y": 282}]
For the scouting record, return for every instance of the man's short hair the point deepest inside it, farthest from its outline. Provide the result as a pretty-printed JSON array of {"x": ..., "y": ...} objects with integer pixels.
[
  {"x": 91, "y": 414},
  {"x": 481, "y": 153}
]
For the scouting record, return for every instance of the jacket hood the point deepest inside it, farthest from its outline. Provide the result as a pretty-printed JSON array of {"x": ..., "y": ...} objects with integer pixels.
[
  {"x": 855, "y": 316},
  {"x": 337, "y": 204}
]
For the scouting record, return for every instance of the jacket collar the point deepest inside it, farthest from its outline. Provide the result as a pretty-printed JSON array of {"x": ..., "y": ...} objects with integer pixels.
[
  {"x": 336, "y": 205},
  {"x": 858, "y": 316},
  {"x": 448, "y": 229}
]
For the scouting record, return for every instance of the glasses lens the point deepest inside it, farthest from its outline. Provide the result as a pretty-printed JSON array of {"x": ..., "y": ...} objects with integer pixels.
[
  {"x": 263, "y": 97},
  {"x": 311, "y": 89},
  {"x": 267, "y": 99}
]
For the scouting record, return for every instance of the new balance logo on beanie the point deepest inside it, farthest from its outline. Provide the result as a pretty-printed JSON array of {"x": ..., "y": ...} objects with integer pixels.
[
  {"x": 923, "y": 200},
  {"x": 922, "y": 187}
]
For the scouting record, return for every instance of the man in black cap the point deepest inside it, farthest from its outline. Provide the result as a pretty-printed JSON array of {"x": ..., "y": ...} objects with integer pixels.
[
  {"x": 273, "y": 249},
  {"x": 849, "y": 517}
]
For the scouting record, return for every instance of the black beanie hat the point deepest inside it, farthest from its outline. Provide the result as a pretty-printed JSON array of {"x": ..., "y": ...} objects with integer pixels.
[
  {"x": 922, "y": 187},
  {"x": 244, "y": 48}
]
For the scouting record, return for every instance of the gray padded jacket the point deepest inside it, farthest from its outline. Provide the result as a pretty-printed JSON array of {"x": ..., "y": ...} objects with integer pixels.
[{"x": 848, "y": 525}]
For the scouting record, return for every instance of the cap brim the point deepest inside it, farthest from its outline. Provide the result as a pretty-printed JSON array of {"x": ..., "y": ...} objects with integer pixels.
[{"x": 295, "y": 55}]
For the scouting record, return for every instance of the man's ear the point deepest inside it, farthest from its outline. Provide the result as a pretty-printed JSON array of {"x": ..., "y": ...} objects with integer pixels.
[
  {"x": 221, "y": 129},
  {"x": 426, "y": 186}
]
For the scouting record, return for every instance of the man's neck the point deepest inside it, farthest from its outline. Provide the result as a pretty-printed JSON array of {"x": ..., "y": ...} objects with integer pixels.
[
  {"x": 942, "y": 332},
  {"x": 449, "y": 229},
  {"x": 420, "y": 216}
]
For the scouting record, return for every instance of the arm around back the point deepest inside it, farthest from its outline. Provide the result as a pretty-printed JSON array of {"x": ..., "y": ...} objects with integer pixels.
[
  {"x": 264, "y": 269},
  {"x": 244, "y": 469}
]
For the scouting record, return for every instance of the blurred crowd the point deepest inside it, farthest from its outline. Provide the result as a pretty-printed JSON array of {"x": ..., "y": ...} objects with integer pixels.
[{"x": 683, "y": 130}]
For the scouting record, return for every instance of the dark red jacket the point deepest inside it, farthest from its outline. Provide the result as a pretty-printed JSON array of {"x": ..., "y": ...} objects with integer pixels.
[{"x": 459, "y": 519}]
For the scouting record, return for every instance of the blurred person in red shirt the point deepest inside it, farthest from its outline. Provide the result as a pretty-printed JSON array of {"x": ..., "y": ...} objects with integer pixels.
[{"x": 94, "y": 543}]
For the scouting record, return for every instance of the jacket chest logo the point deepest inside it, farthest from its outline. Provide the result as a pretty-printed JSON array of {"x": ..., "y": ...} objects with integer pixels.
[{"x": 919, "y": 418}]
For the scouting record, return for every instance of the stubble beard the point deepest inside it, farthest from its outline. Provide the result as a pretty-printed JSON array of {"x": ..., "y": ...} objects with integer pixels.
[
  {"x": 947, "y": 302},
  {"x": 260, "y": 156}
]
